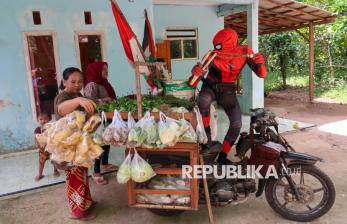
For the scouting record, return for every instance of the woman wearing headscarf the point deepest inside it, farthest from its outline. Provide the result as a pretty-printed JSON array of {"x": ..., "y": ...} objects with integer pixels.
[{"x": 98, "y": 88}]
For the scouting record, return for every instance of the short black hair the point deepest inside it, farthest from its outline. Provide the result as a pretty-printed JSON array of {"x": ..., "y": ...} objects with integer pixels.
[
  {"x": 66, "y": 74},
  {"x": 45, "y": 113}
]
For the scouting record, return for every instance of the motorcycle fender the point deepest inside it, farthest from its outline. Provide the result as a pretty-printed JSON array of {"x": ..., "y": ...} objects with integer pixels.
[{"x": 297, "y": 158}]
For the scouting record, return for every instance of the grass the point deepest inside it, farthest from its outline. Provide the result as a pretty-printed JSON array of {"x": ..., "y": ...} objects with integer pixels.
[
  {"x": 273, "y": 82},
  {"x": 338, "y": 93}
]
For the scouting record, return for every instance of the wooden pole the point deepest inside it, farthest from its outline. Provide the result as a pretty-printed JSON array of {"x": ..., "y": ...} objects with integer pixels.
[
  {"x": 207, "y": 195},
  {"x": 311, "y": 60},
  {"x": 138, "y": 91}
]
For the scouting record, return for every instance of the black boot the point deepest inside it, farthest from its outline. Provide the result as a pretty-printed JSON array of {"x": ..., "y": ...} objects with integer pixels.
[{"x": 223, "y": 160}]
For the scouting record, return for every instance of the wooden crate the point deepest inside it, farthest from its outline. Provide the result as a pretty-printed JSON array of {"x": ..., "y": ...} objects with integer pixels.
[{"x": 191, "y": 150}]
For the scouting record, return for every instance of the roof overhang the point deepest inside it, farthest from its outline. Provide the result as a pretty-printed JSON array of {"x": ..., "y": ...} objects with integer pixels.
[
  {"x": 274, "y": 15},
  {"x": 278, "y": 16},
  {"x": 201, "y": 2}
]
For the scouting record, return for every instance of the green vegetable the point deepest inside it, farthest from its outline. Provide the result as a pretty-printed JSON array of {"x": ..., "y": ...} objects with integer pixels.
[{"x": 129, "y": 103}]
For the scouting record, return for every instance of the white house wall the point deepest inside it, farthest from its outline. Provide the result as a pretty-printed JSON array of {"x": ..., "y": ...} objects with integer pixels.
[
  {"x": 203, "y": 17},
  {"x": 62, "y": 17}
]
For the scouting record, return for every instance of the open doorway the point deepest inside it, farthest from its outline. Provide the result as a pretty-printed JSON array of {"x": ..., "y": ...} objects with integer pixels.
[
  {"x": 90, "y": 47},
  {"x": 41, "y": 56}
]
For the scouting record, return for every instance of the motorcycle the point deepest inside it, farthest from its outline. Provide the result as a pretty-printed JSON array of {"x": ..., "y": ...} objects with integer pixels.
[{"x": 302, "y": 192}]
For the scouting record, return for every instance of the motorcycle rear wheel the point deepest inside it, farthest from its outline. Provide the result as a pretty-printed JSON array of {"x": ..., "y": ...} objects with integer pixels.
[{"x": 324, "y": 205}]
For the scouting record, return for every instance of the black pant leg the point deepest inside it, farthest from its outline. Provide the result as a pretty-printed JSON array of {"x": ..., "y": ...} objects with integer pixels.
[{"x": 104, "y": 157}]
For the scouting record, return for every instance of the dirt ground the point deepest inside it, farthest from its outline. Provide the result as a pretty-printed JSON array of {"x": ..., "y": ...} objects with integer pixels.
[{"x": 49, "y": 205}]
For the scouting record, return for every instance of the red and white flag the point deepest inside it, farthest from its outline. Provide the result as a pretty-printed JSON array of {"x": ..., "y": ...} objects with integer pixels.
[
  {"x": 131, "y": 46},
  {"x": 148, "y": 44}
]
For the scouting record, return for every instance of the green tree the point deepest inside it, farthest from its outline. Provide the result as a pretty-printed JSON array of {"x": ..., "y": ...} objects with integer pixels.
[{"x": 281, "y": 49}]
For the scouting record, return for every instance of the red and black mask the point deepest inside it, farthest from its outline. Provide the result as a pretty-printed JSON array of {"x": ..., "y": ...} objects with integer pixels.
[{"x": 225, "y": 40}]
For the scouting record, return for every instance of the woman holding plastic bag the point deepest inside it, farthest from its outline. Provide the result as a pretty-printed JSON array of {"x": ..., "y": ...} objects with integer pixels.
[
  {"x": 100, "y": 90},
  {"x": 77, "y": 186}
]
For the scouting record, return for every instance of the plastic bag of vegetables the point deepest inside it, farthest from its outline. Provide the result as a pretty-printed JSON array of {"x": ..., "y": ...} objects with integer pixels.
[
  {"x": 150, "y": 128},
  {"x": 200, "y": 131},
  {"x": 190, "y": 134},
  {"x": 131, "y": 122},
  {"x": 121, "y": 131},
  {"x": 136, "y": 135},
  {"x": 141, "y": 171},
  {"x": 124, "y": 171},
  {"x": 169, "y": 130},
  {"x": 97, "y": 136},
  {"x": 116, "y": 133}
]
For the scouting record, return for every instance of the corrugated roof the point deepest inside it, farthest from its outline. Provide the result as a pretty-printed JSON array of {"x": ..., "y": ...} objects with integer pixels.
[{"x": 280, "y": 15}]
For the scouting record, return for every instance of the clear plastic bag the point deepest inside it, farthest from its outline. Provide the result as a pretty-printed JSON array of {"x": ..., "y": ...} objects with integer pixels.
[
  {"x": 150, "y": 129},
  {"x": 131, "y": 122},
  {"x": 97, "y": 136},
  {"x": 86, "y": 152},
  {"x": 121, "y": 131},
  {"x": 92, "y": 123},
  {"x": 137, "y": 136},
  {"x": 169, "y": 130},
  {"x": 116, "y": 133},
  {"x": 189, "y": 135},
  {"x": 76, "y": 119},
  {"x": 124, "y": 171},
  {"x": 200, "y": 131},
  {"x": 141, "y": 171}
]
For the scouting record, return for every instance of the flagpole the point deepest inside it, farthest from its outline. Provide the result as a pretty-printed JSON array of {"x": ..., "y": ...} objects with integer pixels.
[
  {"x": 138, "y": 91},
  {"x": 137, "y": 71}
]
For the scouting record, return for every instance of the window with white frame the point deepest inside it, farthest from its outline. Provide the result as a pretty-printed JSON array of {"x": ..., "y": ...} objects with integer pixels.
[{"x": 183, "y": 43}]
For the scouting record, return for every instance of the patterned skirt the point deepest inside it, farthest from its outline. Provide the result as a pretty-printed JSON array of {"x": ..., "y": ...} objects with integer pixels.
[{"x": 78, "y": 191}]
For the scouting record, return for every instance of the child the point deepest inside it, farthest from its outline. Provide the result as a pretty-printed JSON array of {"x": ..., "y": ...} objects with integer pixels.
[
  {"x": 77, "y": 185},
  {"x": 43, "y": 118}
]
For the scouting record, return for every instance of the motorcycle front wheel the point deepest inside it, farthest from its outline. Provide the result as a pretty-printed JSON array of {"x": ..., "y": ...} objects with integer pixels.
[{"x": 315, "y": 188}]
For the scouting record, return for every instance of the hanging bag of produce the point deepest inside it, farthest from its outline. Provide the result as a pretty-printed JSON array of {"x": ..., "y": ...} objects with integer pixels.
[
  {"x": 136, "y": 135},
  {"x": 141, "y": 171},
  {"x": 97, "y": 136},
  {"x": 200, "y": 131},
  {"x": 109, "y": 131},
  {"x": 116, "y": 133},
  {"x": 170, "y": 130},
  {"x": 190, "y": 134},
  {"x": 131, "y": 122},
  {"x": 150, "y": 129},
  {"x": 167, "y": 131},
  {"x": 121, "y": 131},
  {"x": 124, "y": 171}
]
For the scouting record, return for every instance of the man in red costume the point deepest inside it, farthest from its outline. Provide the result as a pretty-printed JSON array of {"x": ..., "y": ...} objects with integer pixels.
[{"x": 220, "y": 84}]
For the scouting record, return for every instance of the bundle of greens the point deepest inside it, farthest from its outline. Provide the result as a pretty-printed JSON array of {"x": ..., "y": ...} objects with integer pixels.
[{"x": 149, "y": 103}]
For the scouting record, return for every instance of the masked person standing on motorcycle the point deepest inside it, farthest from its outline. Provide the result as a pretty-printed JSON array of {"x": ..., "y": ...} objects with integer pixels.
[{"x": 220, "y": 84}]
